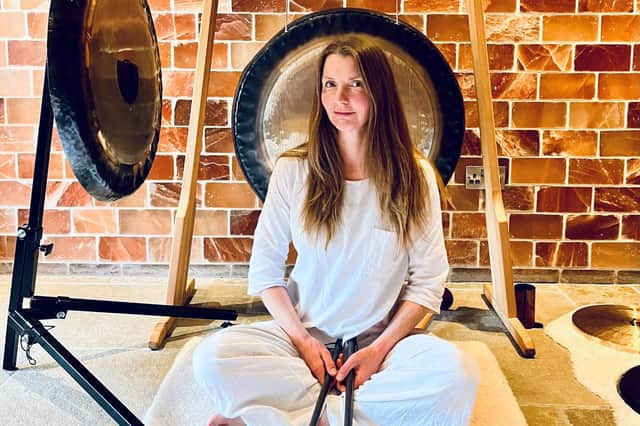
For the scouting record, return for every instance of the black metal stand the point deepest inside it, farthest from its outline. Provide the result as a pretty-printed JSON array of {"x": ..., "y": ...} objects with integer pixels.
[{"x": 24, "y": 322}]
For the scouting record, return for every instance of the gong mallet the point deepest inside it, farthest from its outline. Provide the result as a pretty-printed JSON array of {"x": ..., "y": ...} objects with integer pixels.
[
  {"x": 351, "y": 348},
  {"x": 325, "y": 386}
]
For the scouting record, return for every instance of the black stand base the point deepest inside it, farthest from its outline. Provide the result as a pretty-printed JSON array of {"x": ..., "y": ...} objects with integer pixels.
[
  {"x": 629, "y": 388},
  {"x": 24, "y": 322}
]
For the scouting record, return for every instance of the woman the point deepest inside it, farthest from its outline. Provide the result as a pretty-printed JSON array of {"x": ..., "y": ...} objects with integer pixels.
[{"x": 361, "y": 206}]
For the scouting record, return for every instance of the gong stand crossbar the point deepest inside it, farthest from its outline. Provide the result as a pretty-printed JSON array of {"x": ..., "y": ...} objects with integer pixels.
[{"x": 24, "y": 323}]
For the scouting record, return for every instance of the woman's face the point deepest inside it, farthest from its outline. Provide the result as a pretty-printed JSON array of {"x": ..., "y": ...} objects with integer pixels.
[{"x": 344, "y": 97}]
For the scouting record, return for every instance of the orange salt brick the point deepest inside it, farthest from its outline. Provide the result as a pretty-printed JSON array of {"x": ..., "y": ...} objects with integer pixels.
[
  {"x": 538, "y": 170},
  {"x": 173, "y": 139},
  {"x": 196, "y": 6},
  {"x": 167, "y": 194},
  {"x": 145, "y": 222},
  {"x": 17, "y": 139},
  {"x": 460, "y": 198},
  {"x": 501, "y": 28},
  {"x": 467, "y": 84},
  {"x": 313, "y": 5},
  {"x": 631, "y": 227},
  {"x": 185, "y": 26},
  {"x": 619, "y": 86},
  {"x": 2, "y": 111},
  {"x": 500, "y": 56},
  {"x": 636, "y": 57},
  {"x": 164, "y": 49},
  {"x": 607, "y": 57},
  {"x": 243, "y": 222},
  {"x": 617, "y": 199},
  {"x": 603, "y": 115},
  {"x": 544, "y": 57},
  {"x": 470, "y": 143},
  {"x": 387, "y": 6},
  {"x": 159, "y": 5},
  {"x": 211, "y": 167},
  {"x": 73, "y": 248},
  {"x": 624, "y": 28},
  {"x": 211, "y": 222},
  {"x": 518, "y": 198},
  {"x": 556, "y": 6},
  {"x": 94, "y": 221},
  {"x": 23, "y": 110},
  {"x": 615, "y": 255},
  {"x": 448, "y": 27},
  {"x": 567, "y": 86},
  {"x": 216, "y": 113},
  {"x": 230, "y": 195},
  {"x": 162, "y": 168},
  {"x": 592, "y": 227},
  {"x": 469, "y": 225},
  {"x": 37, "y": 82},
  {"x": 3, "y": 53},
  {"x": 243, "y": 53},
  {"x": 8, "y": 222},
  {"x": 227, "y": 249},
  {"x": 514, "y": 85},
  {"x": 562, "y": 254},
  {"x": 534, "y": 226},
  {"x": 415, "y": 21},
  {"x": 596, "y": 171},
  {"x": 12, "y": 25},
  {"x": 538, "y": 114},
  {"x": 268, "y": 26},
  {"x": 26, "y": 163},
  {"x": 605, "y": 5},
  {"x": 625, "y": 143},
  {"x": 137, "y": 199},
  {"x": 500, "y": 114},
  {"x": 514, "y": 143},
  {"x": 462, "y": 253},
  {"x": 521, "y": 253},
  {"x": 160, "y": 250},
  {"x": 223, "y": 84},
  {"x": 167, "y": 112},
  {"x": 431, "y": 6},
  {"x": 165, "y": 27},
  {"x": 177, "y": 83},
  {"x": 68, "y": 194},
  {"x": 569, "y": 28},
  {"x": 632, "y": 174},
  {"x": 218, "y": 140},
  {"x": 448, "y": 50},
  {"x": 14, "y": 193},
  {"x": 633, "y": 115},
  {"x": 564, "y": 199},
  {"x": 236, "y": 171},
  {"x": 493, "y": 6},
  {"x": 572, "y": 143},
  {"x": 122, "y": 249},
  {"x": 8, "y": 166},
  {"x": 15, "y": 83},
  {"x": 7, "y": 247},
  {"x": 231, "y": 26},
  {"x": 37, "y": 24},
  {"x": 258, "y": 6},
  {"x": 184, "y": 55},
  {"x": 26, "y": 52},
  {"x": 54, "y": 221}
]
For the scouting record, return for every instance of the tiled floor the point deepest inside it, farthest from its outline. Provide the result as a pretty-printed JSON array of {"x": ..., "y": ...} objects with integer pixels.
[{"x": 115, "y": 348}]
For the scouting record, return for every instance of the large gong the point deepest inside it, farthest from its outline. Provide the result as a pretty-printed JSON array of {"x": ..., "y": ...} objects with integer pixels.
[
  {"x": 273, "y": 100},
  {"x": 105, "y": 85}
]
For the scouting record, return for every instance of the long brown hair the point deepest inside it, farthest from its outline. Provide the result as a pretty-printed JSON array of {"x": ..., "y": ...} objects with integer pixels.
[{"x": 392, "y": 162}]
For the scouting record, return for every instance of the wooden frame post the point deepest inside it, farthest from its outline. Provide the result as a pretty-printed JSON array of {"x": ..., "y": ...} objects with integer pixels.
[
  {"x": 179, "y": 291},
  {"x": 501, "y": 293}
]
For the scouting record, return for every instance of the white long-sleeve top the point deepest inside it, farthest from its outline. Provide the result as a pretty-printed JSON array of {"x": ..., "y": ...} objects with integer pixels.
[{"x": 353, "y": 284}]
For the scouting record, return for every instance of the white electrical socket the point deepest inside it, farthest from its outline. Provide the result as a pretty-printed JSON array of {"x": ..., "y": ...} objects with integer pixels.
[{"x": 474, "y": 177}]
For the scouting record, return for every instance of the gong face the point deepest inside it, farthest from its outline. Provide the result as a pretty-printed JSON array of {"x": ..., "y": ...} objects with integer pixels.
[
  {"x": 616, "y": 326},
  {"x": 106, "y": 93},
  {"x": 273, "y": 102},
  {"x": 286, "y": 107}
]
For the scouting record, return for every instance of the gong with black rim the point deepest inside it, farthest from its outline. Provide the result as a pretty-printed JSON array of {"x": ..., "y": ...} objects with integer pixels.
[
  {"x": 273, "y": 99},
  {"x": 106, "y": 91}
]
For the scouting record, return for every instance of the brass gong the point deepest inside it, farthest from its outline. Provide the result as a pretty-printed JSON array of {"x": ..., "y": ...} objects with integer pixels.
[
  {"x": 616, "y": 326},
  {"x": 106, "y": 91},
  {"x": 273, "y": 101}
]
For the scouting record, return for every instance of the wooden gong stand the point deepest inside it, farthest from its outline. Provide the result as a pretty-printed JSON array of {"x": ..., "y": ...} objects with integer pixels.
[{"x": 500, "y": 295}]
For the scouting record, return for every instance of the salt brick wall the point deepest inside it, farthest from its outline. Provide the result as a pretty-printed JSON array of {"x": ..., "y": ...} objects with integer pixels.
[{"x": 566, "y": 92}]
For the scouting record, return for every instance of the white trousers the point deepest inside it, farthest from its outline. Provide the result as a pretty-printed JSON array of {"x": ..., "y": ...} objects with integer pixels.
[{"x": 255, "y": 372}]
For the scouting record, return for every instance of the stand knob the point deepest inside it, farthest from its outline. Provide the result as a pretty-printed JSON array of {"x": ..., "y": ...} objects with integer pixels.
[{"x": 46, "y": 248}]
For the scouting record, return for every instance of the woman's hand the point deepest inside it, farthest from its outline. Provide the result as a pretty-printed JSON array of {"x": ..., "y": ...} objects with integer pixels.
[
  {"x": 365, "y": 362},
  {"x": 316, "y": 356}
]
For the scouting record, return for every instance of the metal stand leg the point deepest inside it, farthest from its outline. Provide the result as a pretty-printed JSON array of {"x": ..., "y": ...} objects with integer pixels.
[
  {"x": 352, "y": 347},
  {"x": 325, "y": 386}
]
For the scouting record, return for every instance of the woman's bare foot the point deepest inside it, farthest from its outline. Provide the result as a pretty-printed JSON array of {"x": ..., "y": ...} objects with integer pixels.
[{"x": 220, "y": 420}]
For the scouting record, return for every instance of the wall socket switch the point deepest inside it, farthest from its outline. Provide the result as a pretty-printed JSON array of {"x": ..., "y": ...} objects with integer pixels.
[{"x": 474, "y": 178}]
